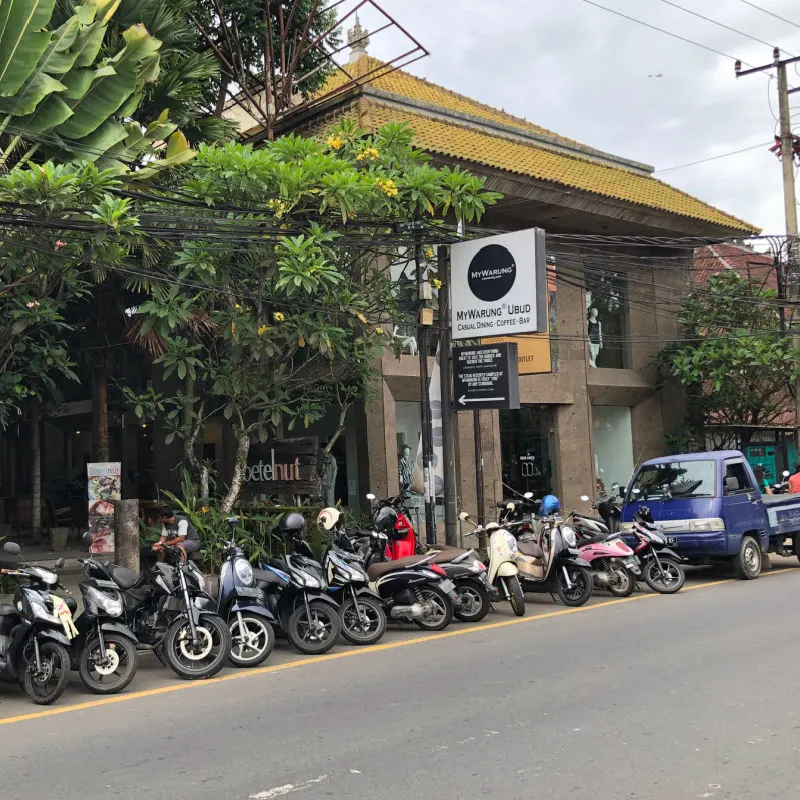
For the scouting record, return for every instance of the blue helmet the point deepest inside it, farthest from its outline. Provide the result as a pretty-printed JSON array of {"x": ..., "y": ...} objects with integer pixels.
[{"x": 550, "y": 505}]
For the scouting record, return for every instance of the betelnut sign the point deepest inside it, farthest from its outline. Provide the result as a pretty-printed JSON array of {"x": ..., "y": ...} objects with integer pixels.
[{"x": 499, "y": 285}]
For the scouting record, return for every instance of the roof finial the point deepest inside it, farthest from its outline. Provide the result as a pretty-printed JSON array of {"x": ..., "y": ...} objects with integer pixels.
[{"x": 358, "y": 39}]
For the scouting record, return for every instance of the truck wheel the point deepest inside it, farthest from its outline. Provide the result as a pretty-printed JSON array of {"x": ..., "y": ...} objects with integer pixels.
[{"x": 747, "y": 562}]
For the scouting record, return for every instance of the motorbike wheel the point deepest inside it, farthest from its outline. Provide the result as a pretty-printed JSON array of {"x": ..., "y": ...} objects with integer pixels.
[
  {"x": 581, "y": 589},
  {"x": 317, "y": 635},
  {"x": 516, "y": 596},
  {"x": 364, "y": 623},
  {"x": 44, "y": 686},
  {"x": 475, "y": 601},
  {"x": 670, "y": 582},
  {"x": 204, "y": 659},
  {"x": 252, "y": 640},
  {"x": 113, "y": 673},
  {"x": 622, "y": 583},
  {"x": 439, "y": 612}
]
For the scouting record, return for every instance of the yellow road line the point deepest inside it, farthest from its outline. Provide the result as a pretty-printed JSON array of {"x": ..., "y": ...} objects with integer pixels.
[{"x": 377, "y": 648}]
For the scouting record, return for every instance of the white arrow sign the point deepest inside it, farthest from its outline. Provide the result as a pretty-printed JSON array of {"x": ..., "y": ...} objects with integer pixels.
[{"x": 464, "y": 399}]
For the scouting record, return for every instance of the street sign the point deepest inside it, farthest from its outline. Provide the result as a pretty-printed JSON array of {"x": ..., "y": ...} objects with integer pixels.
[
  {"x": 498, "y": 285},
  {"x": 486, "y": 376}
]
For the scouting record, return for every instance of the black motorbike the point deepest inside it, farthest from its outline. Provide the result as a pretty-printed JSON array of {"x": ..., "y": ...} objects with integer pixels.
[
  {"x": 242, "y": 604},
  {"x": 295, "y": 591},
  {"x": 661, "y": 566},
  {"x": 104, "y": 651},
  {"x": 34, "y": 645},
  {"x": 171, "y": 614}
]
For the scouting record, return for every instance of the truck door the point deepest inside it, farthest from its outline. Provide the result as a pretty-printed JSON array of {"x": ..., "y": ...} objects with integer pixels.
[{"x": 741, "y": 509}]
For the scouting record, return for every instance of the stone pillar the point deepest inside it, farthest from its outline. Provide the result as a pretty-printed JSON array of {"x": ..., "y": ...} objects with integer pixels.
[
  {"x": 379, "y": 444},
  {"x": 126, "y": 533},
  {"x": 492, "y": 467}
]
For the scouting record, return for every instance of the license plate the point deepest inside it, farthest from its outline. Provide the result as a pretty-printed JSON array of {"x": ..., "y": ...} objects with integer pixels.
[
  {"x": 249, "y": 591},
  {"x": 672, "y": 540},
  {"x": 447, "y": 586}
]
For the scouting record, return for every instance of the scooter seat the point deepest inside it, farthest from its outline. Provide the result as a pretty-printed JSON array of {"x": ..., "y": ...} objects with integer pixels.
[
  {"x": 123, "y": 577},
  {"x": 6, "y": 609},
  {"x": 444, "y": 555},
  {"x": 530, "y": 549},
  {"x": 383, "y": 567}
]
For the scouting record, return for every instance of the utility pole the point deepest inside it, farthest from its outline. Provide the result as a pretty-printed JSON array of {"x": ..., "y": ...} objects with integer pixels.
[{"x": 789, "y": 198}]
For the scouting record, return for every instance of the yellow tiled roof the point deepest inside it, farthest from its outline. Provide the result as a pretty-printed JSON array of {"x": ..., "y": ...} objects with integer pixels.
[
  {"x": 491, "y": 149},
  {"x": 383, "y": 76}
]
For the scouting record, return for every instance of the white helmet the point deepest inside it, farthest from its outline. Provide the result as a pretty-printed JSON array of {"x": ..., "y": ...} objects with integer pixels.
[{"x": 328, "y": 517}]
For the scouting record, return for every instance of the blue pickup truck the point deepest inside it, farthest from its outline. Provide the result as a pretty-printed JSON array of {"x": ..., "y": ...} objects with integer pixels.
[{"x": 712, "y": 504}]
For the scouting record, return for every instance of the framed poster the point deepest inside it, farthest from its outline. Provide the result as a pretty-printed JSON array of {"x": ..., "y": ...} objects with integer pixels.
[{"x": 105, "y": 486}]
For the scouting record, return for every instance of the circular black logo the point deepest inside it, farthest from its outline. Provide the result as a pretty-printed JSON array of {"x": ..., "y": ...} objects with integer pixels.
[{"x": 491, "y": 273}]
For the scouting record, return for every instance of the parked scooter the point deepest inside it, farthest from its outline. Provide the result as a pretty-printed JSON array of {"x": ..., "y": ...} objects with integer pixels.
[
  {"x": 661, "y": 566},
  {"x": 550, "y": 562},
  {"x": 295, "y": 590},
  {"x": 171, "y": 614},
  {"x": 104, "y": 651},
  {"x": 504, "y": 572},
  {"x": 361, "y": 608},
  {"x": 462, "y": 567},
  {"x": 241, "y": 603},
  {"x": 614, "y": 565},
  {"x": 34, "y": 642}
]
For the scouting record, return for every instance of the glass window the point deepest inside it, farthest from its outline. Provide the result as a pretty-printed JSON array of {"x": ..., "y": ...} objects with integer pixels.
[
  {"x": 527, "y": 441},
  {"x": 613, "y": 446},
  {"x": 675, "y": 479},
  {"x": 605, "y": 318},
  {"x": 736, "y": 478}
]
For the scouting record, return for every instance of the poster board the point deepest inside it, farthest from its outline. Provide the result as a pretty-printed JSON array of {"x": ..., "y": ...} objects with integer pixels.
[{"x": 104, "y": 481}]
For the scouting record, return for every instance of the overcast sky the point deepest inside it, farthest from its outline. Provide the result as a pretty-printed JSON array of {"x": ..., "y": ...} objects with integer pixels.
[{"x": 585, "y": 73}]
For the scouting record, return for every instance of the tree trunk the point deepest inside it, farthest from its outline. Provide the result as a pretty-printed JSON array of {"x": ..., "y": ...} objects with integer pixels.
[
  {"x": 237, "y": 479},
  {"x": 204, "y": 482},
  {"x": 36, "y": 472},
  {"x": 100, "y": 415}
]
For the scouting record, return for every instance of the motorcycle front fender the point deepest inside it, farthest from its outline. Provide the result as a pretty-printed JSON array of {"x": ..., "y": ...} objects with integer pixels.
[
  {"x": 365, "y": 591},
  {"x": 53, "y": 635},
  {"x": 670, "y": 555},
  {"x": 507, "y": 569},
  {"x": 573, "y": 561},
  {"x": 251, "y": 607},
  {"x": 118, "y": 627}
]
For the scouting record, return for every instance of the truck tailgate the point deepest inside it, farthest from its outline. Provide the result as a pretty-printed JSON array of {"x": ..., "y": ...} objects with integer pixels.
[{"x": 783, "y": 513}]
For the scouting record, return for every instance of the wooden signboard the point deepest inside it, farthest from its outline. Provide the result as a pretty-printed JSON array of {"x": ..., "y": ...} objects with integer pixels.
[{"x": 284, "y": 466}]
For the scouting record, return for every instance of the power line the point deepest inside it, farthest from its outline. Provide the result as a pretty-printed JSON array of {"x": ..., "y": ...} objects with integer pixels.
[
  {"x": 717, "y": 23},
  {"x": 771, "y": 13},
  {"x": 662, "y": 30},
  {"x": 713, "y": 158}
]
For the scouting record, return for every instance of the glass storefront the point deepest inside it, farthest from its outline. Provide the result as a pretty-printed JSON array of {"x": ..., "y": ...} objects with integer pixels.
[
  {"x": 527, "y": 440},
  {"x": 613, "y": 446}
]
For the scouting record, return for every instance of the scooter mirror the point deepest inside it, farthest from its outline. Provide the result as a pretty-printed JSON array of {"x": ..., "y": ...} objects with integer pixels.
[
  {"x": 370, "y": 496},
  {"x": 464, "y": 515},
  {"x": 528, "y": 495},
  {"x": 585, "y": 498},
  {"x": 510, "y": 506},
  {"x": 11, "y": 548},
  {"x": 786, "y": 473},
  {"x": 637, "y": 491},
  {"x": 87, "y": 539},
  {"x": 59, "y": 563}
]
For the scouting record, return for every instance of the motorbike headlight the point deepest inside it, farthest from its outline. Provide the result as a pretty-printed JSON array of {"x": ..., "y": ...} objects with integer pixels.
[
  {"x": 39, "y": 611},
  {"x": 570, "y": 539},
  {"x": 244, "y": 572},
  {"x": 478, "y": 566},
  {"x": 108, "y": 603},
  {"x": 310, "y": 582}
]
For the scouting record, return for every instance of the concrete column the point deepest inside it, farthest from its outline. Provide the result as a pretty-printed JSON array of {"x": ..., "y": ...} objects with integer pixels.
[
  {"x": 380, "y": 443},
  {"x": 492, "y": 467},
  {"x": 126, "y": 533}
]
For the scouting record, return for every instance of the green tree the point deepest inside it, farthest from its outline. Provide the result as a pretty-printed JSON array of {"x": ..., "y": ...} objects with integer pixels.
[
  {"x": 275, "y": 324},
  {"x": 63, "y": 99},
  {"x": 735, "y": 363}
]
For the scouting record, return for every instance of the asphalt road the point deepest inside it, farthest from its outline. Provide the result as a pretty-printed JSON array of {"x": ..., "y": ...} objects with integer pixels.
[{"x": 689, "y": 696}]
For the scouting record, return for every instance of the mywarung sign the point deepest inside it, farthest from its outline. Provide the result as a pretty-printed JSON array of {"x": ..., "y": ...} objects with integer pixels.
[{"x": 499, "y": 285}]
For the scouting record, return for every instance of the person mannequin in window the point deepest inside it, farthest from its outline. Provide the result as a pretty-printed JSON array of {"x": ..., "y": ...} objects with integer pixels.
[
  {"x": 330, "y": 471},
  {"x": 594, "y": 330},
  {"x": 405, "y": 468}
]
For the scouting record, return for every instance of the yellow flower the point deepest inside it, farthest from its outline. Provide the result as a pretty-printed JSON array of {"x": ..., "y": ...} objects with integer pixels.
[
  {"x": 368, "y": 154},
  {"x": 428, "y": 252},
  {"x": 362, "y": 317},
  {"x": 237, "y": 306},
  {"x": 335, "y": 142},
  {"x": 204, "y": 509},
  {"x": 379, "y": 331},
  {"x": 301, "y": 342},
  {"x": 436, "y": 283},
  {"x": 263, "y": 329},
  {"x": 279, "y": 316},
  {"x": 387, "y": 186}
]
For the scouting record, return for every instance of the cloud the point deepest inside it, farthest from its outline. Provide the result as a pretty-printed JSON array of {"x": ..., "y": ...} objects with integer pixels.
[{"x": 583, "y": 73}]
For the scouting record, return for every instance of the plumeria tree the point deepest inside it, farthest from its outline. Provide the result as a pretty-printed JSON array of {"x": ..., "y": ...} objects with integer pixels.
[{"x": 282, "y": 316}]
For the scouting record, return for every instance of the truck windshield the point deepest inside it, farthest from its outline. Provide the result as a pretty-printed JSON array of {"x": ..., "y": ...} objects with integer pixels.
[{"x": 677, "y": 479}]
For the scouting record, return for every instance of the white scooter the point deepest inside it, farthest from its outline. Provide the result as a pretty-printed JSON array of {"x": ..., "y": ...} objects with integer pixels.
[{"x": 503, "y": 572}]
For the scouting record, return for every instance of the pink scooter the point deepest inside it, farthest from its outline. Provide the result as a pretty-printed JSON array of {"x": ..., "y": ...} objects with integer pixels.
[{"x": 614, "y": 565}]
